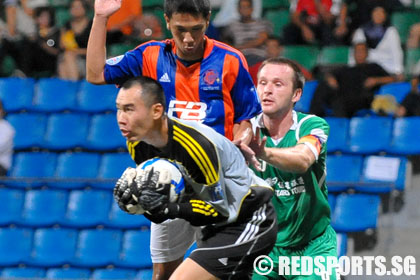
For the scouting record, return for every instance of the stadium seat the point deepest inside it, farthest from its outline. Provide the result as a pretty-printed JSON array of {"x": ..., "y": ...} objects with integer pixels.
[
  {"x": 87, "y": 208},
  {"x": 111, "y": 167},
  {"x": 402, "y": 20},
  {"x": 412, "y": 58},
  {"x": 305, "y": 55},
  {"x": 30, "y": 129},
  {"x": 74, "y": 170},
  {"x": 398, "y": 89},
  {"x": 30, "y": 169},
  {"x": 68, "y": 273},
  {"x": 278, "y": 18},
  {"x": 21, "y": 273},
  {"x": 304, "y": 104},
  {"x": 144, "y": 274},
  {"x": 331, "y": 201},
  {"x": 11, "y": 205},
  {"x": 334, "y": 55},
  {"x": 355, "y": 212},
  {"x": 389, "y": 173},
  {"x": 117, "y": 218},
  {"x": 341, "y": 244},
  {"x": 343, "y": 171},
  {"x": 275, "y": 4},
  {"x": 52, "y": 247},
  {"x": 16, "y": 93},
  {"x": 15, "y": 245},
  {"x": 104, "y": 134},
  {"x": 66, "y": 131},
  {"x": 135, "y": 251},
  {"x": 113, "y": 273},
  {"x": 97, "y": 248},
  {"x": 96, "y": 98},
  {"x": 55, "y": 95},
  {"x": 152, "y": 3},
  {"x": 405, "y": 136},
  {"x": 43, "y": 208},
  {"x": 369, "y": 135},
  {"x": 338, "y": 137}
]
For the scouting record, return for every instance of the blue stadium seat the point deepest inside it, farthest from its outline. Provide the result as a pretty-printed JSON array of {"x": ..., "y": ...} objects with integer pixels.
[
  {"x": 135, "y": 251},
  {"x": 117, "y": 218},
  {"x": 355, "y": 213},
  {"x": 96, "y": 98},
  {"x": 332, "y": 199},
  {"x": 55, "y": 95},
  {"x": 87, "y": 208},
  {"x": 371, "y": 183},
  {"x": 43, "y": 207},
  {"x": 11, "y": 206},
  {"x": 15, "y": 245},
  {"x": 97, "y": 248},
  {"x": 16, "y": 94},
  {"x": 338, "y": 137},
  {"x": 75, "y": 169},
  {"x": 405, "y": 136},
  {"x": 30, "y": 129},
  {"x": 111, "y": 167},
  {"x": 66, "y": 131},
  {"x": 144, "y": 274},
  {"x": 398, "y": 89},
  {"x": 30, "y": 169},
  {"x": 343, "y": 171},
  {"x": 341, "y": 244},
  {"x": 68, "y": 273},
  {"x": 20, "y": 273},
  {"x": 369, "y": 135},
  {"x": 113, "y": 273},
  {"x": 304, "y": 104},
  {"x": 52, "y": 247},
  {"x": 104, "y": 134}
]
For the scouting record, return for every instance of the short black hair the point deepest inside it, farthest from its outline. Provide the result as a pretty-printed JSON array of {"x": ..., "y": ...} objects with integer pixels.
[
  {"x": 152, "y": 91},
  {"x": 192, "y": 7},
  {"x": 298, "y": 77}
]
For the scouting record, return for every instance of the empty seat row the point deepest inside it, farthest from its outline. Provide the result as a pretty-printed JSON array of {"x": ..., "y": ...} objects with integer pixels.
[
  {"x": 74, "y": 209},
  {"x": 66, "y": 170},
  {"x": 61, "y": 131},
  {"x": 372, "y": 135},
  {"x": 55, "y": 95}
]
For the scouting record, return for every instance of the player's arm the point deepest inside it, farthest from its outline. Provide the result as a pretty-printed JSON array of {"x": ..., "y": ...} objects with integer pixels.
[{"x": 96, "y": 50}]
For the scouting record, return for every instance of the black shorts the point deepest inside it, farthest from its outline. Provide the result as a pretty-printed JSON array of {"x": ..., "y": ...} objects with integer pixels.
[{"x": 228, "y": 252}]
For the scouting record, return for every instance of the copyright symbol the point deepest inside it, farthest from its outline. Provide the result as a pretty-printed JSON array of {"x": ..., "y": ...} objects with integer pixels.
[{"x": 263, "y": 265}]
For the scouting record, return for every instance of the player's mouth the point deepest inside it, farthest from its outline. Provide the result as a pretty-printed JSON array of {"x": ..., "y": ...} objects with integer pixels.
[
  {"x": 267, "y": 101},
  {"x": 125, "y": 132}
]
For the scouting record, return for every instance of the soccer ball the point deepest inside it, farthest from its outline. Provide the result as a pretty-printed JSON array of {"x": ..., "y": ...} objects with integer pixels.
[{"x": 177, "y": 181}]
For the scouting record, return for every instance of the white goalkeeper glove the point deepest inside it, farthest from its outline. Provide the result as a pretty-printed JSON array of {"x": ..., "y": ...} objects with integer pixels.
[{"x": 127, "y": 193}]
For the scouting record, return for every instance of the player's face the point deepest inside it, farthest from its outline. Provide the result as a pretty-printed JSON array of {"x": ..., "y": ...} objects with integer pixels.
[
  {"x": 134, "y": 117},
  {"x": 275, "y": 89},
  {"x": 188, "y": 32}
]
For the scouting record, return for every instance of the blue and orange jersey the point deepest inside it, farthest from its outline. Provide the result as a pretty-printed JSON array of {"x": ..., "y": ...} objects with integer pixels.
[{"x": 218, "y": 90}]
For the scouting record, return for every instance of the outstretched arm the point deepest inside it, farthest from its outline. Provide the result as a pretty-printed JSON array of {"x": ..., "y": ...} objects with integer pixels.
[{"x": 96, "y": 49}]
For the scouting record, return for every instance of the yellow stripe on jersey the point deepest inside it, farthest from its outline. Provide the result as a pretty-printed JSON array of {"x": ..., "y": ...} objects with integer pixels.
[
  {"x": 198, "y": 154},
  {"x": 131, "y": 148}
]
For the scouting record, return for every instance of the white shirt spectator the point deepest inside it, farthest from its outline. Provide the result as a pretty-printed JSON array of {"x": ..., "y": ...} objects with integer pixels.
[
  {"x": 7, "y": 133},
  {"x": 228, "y": 12}
]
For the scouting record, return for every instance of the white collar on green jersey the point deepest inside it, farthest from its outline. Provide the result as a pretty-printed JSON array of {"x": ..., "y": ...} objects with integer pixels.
[{"x": 258, "y": 121}]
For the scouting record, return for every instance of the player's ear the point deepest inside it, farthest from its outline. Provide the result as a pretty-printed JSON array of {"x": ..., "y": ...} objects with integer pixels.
[
  {"x": 157, "y": 110},
  {"x": 167, "y": 21},
  {"x": 296, "y": 95}
]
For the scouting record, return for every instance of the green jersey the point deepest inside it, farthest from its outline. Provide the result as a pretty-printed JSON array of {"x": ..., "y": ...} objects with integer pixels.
[{"x": 300, "y": 200}]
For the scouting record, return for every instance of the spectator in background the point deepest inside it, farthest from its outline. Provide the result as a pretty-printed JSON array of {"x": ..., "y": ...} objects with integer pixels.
[
  {"x": 413, "y": 40},
  {"x": 148, "y": 27},
  {"x": 383, "y": 42},
  {"x": 313, "y": 21},
  {"x": 410, "y": 106},
  {"x": 351, "y": 88},
  {"x": 120, "y": 25},
  {"x": 274, "y": 49},
  {"x": 7, "y": 132},
  {"x": 41, "y": 51},
  {"x": 249, "y": 35},
  {"x": 74, "y": 38}
]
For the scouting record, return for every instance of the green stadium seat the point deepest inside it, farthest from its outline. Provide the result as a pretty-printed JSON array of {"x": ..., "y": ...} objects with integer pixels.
[
  {"x": 402, "y": 20},
  {"x": 334, "y": 55},
  {"x": 305, "y": 55},
  {"x": 412, "y": 58},
  {"x": 152, "y": 3},
  {"x": 59, "y": 3},
  {"x": 275, "y": 4},
  {"x": 8, "y": 66},
  {"x": 279, "y": 18},
  {"x": 62, "y": 16}
]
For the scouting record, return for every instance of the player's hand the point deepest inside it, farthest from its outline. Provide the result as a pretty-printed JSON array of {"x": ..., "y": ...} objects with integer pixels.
[
  {"x": 126, "y": 192},
  {"x": 247, "y": 152},
  {"x": 154, "y": 189},
  {"x": 105, "y": 8}
]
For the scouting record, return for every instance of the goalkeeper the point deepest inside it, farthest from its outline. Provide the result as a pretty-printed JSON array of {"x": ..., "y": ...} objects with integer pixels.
[{"x": 230, "y": 204}]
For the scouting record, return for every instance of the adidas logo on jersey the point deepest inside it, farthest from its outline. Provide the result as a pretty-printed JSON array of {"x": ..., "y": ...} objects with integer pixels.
[{"x": 165, "y": 78}]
